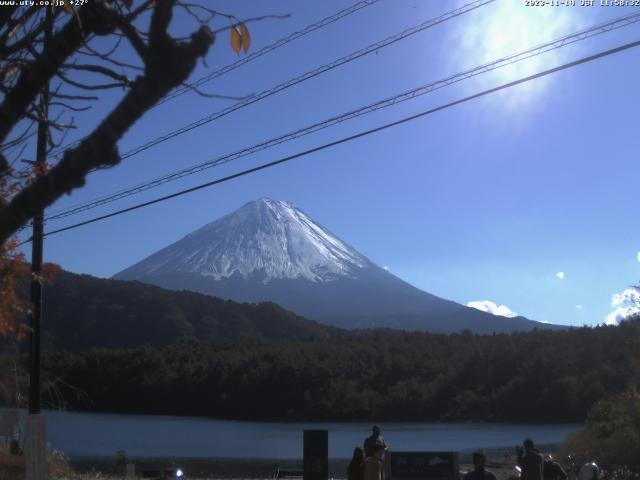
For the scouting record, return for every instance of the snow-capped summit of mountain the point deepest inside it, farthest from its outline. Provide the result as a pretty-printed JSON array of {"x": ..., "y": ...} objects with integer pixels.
[
  {"x": 271, "y": 239},
  {"x": 269, "y": 250}
]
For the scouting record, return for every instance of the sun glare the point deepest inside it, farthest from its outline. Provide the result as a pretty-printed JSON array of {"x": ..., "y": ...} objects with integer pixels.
[{"x": 507, "y": 27}]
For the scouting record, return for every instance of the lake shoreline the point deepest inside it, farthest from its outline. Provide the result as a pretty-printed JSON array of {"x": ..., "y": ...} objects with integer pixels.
[
  {"x": 501, "y": 458},
  {"x": 89, "y": 439}
]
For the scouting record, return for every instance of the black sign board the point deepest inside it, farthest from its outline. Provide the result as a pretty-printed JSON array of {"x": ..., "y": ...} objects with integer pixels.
[
  {"x": 424, "y": 465},
  {"x": 315, "y": 464}
]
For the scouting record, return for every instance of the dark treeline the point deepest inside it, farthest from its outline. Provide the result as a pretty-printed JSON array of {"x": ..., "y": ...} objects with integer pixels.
[
  {"x": 540, "y": 376},
  {"x": 82, "y": 312}
]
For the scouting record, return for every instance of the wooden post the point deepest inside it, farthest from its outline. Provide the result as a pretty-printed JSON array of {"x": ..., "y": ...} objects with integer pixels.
[{"x": 36, "y": 440}]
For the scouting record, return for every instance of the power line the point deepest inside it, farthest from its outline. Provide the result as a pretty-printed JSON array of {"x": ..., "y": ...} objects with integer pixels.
[
  {"x": 269, "y": 48},
  {"x": 253, "y": 56},
  {"x": 365, "y": 133},
  {"x": 404, "y": 96},
  {"x": 308, "y": 75}
]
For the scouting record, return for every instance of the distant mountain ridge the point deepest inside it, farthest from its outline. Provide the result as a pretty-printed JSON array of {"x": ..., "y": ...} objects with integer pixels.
[
  {"x": 83, "y": 312},
  {"x": 269, "y": 250}
]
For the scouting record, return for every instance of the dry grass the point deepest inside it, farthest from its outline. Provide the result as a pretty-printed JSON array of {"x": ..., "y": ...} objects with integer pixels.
[{"x": 12, "y": 466}]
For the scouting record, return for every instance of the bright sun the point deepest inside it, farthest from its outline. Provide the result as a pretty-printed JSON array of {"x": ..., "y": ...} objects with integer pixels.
[{"x": 506, "y": 27}]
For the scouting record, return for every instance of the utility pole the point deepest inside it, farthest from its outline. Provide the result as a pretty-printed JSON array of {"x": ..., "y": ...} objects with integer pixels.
[{"x": 35, "y": 441}]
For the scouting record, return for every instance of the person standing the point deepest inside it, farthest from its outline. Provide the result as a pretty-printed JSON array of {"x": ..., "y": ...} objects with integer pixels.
[
  {"x": 373, "y": 465},
  {"x": 552, "y": 470},
  {"x": 355, "y": 470},
  {"x": 479, "y": 472},
  {"x": 530, "y": 460},
  {"x": 372, "y": 441}
]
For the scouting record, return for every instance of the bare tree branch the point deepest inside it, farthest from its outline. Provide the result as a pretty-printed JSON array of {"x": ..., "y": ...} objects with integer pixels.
[
  {"x": 95, "y": 17},
  {"x": 84, "y": 86},
  {"x": 12, "y": 68},
  {"x": 27, "y": 39},
  {"x": 20, "y": 138},
  {"x": 6, "y": 13},
  {"x": 191, "y": 8},
  {"x": 108, "y": 59},
  {"x": 74, "y": 97},
  {"x": 18, "y": 155},
  {"x": 248, "y": 20},
  {"x": 51, "y": 123},
  {"x": 138, "y": 11},
  {"x": 134, "y": 38},
  {"x": 100, "y": 70},
  {"x": 169, "y": 65},
  {"x": 214, "y": 95},
  {"x": 56, "y": 144},
  {"x": 13, "y": 25},
  {"x": 102, "y": 55},
  {"x": 70, "y": 107}
]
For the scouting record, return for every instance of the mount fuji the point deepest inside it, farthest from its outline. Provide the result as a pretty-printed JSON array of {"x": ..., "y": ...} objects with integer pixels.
[{"x": 269, "y": 250}]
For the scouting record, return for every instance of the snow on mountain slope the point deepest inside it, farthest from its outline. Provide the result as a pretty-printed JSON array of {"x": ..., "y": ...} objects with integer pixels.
[
  {"x": 269, "y": 250},
  {"x": 269, "y": 238}
]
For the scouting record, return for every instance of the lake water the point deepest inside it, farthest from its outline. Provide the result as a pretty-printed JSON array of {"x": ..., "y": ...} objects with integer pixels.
[{"x": 92, "y": 435}]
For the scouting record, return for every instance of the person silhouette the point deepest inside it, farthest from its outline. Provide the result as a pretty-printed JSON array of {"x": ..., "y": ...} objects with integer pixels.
[
  {"x": 373, "y": 465},
  {"x": 530, "y": 460},
  {"x": 355, "y": 470},
  {"x": 479, "y": 472},
  {"x": 372, "y": 441},
  {"x": 552, "y": 470}
]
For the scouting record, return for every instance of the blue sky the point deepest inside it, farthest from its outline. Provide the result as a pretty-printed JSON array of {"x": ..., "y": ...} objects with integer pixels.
[{"x": 486, "y": 201}]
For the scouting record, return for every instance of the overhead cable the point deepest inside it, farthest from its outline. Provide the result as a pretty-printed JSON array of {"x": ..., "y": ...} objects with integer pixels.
[
  {"x": 307, "y": 76},
  {"x": 251, "y": 57},
  {"x": 343, "y": 140},
  {"x": 402, "y": 97}
]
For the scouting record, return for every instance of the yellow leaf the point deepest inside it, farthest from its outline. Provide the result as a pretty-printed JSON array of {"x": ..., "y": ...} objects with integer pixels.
[
  {"x": 246, "y": 38},
  {"x": 236, "y": 40}
]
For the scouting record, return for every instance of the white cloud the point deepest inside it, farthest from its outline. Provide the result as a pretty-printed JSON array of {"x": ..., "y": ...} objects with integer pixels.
[
  {"x": 639, "y": 256},
  {"x": 385, "y": 268},
  {"x": 579, "y": 307},
  {"x": 625, "y": 304},
  {"x": 620, "y": 314},
  {"x": 490, "y": 307},
  {"x": 560, "y": 275},
  {"x": 630, "y": 295}
]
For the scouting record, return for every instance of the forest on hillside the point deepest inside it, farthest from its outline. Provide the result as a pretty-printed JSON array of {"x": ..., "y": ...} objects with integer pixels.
[
  {"x": 82, "y": 312},
  {"x": 540, "y": 376}
]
